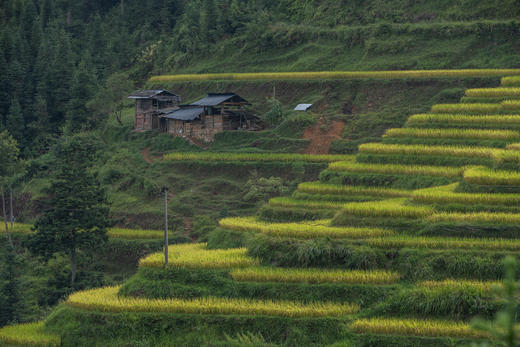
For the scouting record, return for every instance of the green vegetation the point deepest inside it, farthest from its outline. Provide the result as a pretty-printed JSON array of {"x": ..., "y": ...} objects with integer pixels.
[
  {"x": 400, "y": 244},
  {"x": 30, "y": 334}
]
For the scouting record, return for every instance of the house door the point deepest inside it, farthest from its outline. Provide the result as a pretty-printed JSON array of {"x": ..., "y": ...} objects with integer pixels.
[{"x": 163, "y": 125}]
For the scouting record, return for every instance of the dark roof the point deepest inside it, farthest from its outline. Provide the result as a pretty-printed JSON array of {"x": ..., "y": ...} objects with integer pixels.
[
  {"x": 303, "y": 107},
  {"x": 184, "y": 113},
  {"x": 154, "y": 94},
  {"x": 214, "y": 99}
]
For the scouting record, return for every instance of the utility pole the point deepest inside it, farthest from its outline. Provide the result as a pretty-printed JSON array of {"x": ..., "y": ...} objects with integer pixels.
[
  {"x": 165, "y": 191},
  {"x": 274, "y": 91}
]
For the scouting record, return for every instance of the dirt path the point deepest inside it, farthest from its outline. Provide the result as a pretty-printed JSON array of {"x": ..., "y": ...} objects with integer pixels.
[
  {"x": 322, "y": 138},
  {"x": 196, "y": 142},
  {"x": 146, "y": 155}
]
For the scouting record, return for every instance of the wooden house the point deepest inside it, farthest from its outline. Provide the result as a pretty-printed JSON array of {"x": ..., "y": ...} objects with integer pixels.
[
  {"x": 150, "y": 104},
  {"x": 208, "y": 116}
]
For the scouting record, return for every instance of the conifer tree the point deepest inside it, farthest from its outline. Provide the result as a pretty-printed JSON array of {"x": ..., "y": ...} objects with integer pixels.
[
  {"x": 14, "y": 121},
  {"x": 82, "y": 91},
  {"x": 78, "y": 213}
]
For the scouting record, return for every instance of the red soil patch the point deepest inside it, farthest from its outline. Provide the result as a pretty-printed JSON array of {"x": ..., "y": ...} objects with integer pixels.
[
  {"x": 146, "y": 155},
  {"x": 322, "y": 138}
]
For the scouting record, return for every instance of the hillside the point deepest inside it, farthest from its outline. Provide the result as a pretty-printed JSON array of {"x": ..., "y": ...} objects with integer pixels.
[
  {"x": 399, "y": 245},
  {"x": 379, "y": 218}
]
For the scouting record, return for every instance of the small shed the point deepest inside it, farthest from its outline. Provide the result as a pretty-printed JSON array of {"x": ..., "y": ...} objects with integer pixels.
[
  {"x": 303, "y": 107},
  {"x": 208, "y": 116},
  {"x": 150, "y": 104}
]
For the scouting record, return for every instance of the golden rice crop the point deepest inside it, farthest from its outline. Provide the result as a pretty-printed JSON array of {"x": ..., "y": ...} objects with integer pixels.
[
  {"x": 458, "y": 283},
  {"x": 513, "y": 146},
  {"x": 459, "y": 119},
  {"x": 416, "y": 327},
  {"x": 133, "y": 234},
  {"x": 511, "y": 156},
  {"x": 492, "y": 92},
  {"x": 196, "y": 256},
  {"x": 453, "y": 133},
  {"x": 324, "y": 188},
  {"x": 118, "y": 233},
  {"x": 314, "y": 276},
  {"x": 446, "y": 195},
  {"x": 511, "y": 105},
  {"x": 17, "y": 227},
  {"x": 485, "y": 176},
  {"x": 510, "y": 81},
  {"x": 445, "y": 171},
  {"x": 387, "y": 208},
  {"x": 444, "y": 243},
  {"x": 290, "y": 202},
  {"x": 232, "y": 156},
  {"x": 29, "y": 334},
  {"x": 336, "y": 75},
  {"x": 477, "y": 217},
  {"x": 467, "y": 108},
  {"x": 460, "y": 151},
  {"x": 107, "y": 300},
  {"x": 306, "y": 230}
]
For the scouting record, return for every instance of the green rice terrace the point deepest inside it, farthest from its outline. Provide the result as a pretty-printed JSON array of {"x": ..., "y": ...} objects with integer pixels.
[{"x": 400, "y": 244}]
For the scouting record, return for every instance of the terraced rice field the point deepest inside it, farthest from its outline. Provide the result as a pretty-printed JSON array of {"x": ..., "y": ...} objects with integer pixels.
[{"x": 410, "y": 266}]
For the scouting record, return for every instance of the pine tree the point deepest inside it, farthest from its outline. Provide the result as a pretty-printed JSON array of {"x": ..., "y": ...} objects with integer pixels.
[
  {"x": 82, "y": 90},
  {"x": 78, "y": 216},
  {"x": 14, "y": 121}
]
